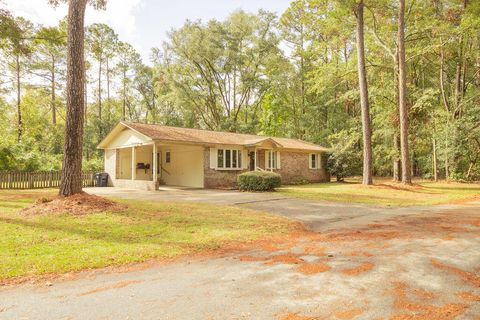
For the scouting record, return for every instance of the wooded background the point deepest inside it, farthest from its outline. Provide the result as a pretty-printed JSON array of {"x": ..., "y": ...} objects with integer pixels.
[{"x": 292, "y": 75}]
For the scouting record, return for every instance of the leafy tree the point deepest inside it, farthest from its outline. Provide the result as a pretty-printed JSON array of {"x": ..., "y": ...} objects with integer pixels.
[
  {"x": 128, "y": 60},
  {"x": 102, "y": 42},
  {"x": 218, "y": 68},
  {"x": 50, "y": 45},
  {"x": 17, "y": 49}
]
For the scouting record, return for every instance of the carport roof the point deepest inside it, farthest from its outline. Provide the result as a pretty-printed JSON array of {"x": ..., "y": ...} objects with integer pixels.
[{"x": 199, "y": 136}]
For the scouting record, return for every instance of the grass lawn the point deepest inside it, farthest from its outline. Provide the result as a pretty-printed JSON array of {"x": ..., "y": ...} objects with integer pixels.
[
  {"x": 35, "y": 245},
  {"x": 386, "y": 193}
]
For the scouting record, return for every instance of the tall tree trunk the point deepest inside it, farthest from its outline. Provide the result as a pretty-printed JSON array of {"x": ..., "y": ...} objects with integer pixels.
[
  {"x": 108, "y": 90},
  {"x": 447, "y": 147},
  {"x": 302, "y": 75},
  {"x": 434, "y": 162},
  {"x": 86, "y": 96},
  {"x": 124, "y": 93},
  {"x": 72, "y": 162},
  {"x": 54, "y": 110},
  {"x": 442, "y": 81},
  {"x": 363, "y": 86},
  {"x": 397, "y": 164},
  {"x": 19, "y": 99},
  {"x": 100, "y": 90},
  {"x": 402, "y": 96}
]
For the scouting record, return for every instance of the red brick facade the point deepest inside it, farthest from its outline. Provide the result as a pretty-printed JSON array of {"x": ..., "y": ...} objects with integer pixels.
[
  {"x": 213, "y": 178},
  {"x": 293, "y": 167}
]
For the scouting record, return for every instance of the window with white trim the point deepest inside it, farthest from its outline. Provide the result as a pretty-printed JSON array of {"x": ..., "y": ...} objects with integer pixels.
[
  {"x": 273, "y": 161},
  {"x": 314, "y": 161},
  {"x": 229, "y": 159}
]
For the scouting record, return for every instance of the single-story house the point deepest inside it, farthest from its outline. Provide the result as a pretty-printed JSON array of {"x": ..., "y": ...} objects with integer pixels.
[{"x": 144, "y": 156}]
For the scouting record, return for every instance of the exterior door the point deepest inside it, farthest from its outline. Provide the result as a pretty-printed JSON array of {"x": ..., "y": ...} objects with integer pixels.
[{"x": 251, "y": 155}]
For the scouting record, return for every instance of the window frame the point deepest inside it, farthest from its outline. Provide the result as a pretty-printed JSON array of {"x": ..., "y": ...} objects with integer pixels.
[
  {"x": 318, "y": 164},
  {"x": 272, "y": 160},
  {"x": 228, "y": 162}
]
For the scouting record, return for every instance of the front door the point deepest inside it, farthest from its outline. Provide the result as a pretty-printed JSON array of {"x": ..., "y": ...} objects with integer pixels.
[{"x": 251, "y": 155}]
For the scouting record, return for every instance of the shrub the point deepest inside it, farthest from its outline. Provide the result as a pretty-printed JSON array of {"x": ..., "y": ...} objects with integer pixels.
[
  {"x": 346, "y": 157},
  {"x": 258, "y": 181}
]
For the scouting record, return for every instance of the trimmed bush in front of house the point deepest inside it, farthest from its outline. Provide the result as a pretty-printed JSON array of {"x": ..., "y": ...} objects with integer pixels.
[{"x": 258, "y": 181}]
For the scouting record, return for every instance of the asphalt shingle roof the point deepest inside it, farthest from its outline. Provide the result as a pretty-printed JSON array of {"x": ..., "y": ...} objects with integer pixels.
[{"x": 161, "y": 132}]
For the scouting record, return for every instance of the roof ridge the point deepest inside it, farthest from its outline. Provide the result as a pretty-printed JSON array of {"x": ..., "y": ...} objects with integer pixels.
[{"x": 199, "y": 129}]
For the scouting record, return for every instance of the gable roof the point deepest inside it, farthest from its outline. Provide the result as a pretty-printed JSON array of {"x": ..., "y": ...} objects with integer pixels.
[{"x": 199, "y": 136}]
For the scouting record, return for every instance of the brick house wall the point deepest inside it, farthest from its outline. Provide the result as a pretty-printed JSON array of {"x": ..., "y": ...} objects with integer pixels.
[
  {"x": 218, "y": 178},
  {"x": 293, "y": 167}
]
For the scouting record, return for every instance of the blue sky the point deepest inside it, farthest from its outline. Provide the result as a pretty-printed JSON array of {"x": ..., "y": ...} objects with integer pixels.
[{"x": 144, "y": 23}]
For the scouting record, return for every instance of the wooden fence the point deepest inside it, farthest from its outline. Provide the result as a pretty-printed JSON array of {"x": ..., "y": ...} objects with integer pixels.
[{"x": 37, "y": 180}]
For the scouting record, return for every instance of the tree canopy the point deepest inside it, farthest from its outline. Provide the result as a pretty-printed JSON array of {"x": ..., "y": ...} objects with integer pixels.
[{"x": 292, "y": 75}]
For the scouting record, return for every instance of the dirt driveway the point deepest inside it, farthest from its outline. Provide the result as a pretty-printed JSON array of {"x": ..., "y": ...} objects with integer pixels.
[{"x": 365, "y": 263}]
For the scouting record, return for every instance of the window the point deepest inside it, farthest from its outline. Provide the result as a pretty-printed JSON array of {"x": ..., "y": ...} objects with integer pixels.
[
  {"x": 167, "y": 157},
  {"x": 314, "y": 162},
  {"x": 234, "y": 158},
  {"x": 272, "y": 160},
  {"x": 220, "y": 159},
  {"x": 229, "y": 159}
]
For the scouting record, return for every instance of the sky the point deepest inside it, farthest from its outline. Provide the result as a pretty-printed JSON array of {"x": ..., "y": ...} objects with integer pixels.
[{"x": 144, "y": 23}]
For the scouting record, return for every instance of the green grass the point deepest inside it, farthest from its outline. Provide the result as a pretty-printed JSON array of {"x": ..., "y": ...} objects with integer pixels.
[
  {"x": 386, "y": 193},
  {"x": 35, "y": 245}
]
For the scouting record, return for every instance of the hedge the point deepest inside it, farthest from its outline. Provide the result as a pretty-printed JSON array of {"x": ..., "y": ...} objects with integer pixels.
[{"x": 258, "y": 181}]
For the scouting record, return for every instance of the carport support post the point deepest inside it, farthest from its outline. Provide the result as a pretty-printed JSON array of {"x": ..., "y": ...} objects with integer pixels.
[
  {"x": 255, "y": 160},
  {"x": 154, "y": 164},
  {"x": 134, "y": 166}
]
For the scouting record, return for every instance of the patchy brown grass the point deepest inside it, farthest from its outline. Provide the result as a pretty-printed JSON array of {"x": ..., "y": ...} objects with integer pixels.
[
  {"x": 296, "y": 316},
  {"x": 315, "y": 250},
  {"x": 349, "y": 314},
  {"x": 275, "y": 259},
  {"x": 387, "y": 193},
  {"x": 423, "y": 294},
  {"x": 312, "y": 268},
  {"x": 359, "y": 254},
  {"x": 364, "y": 267},
  {"x": 78, "y": 204},
  {"x": 415, "y": 310},
  {"x": 356, "y": 235},
  {"x": 469, "y": 296},
  {"x": 288, "y": 258},
  {"x": 118, "y": 285},
  {"x": 469, "y": 277}
]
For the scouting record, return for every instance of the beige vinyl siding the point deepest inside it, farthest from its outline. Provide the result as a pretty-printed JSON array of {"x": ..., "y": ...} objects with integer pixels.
[
  {"x": 127, "y": 138},
  {"x": 185, "y": 167}
]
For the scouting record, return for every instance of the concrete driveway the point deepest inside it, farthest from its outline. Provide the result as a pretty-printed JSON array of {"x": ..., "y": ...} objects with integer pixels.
[
  {"x": 316, "y": 215},
  {"x": 365, "y": 263}
]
